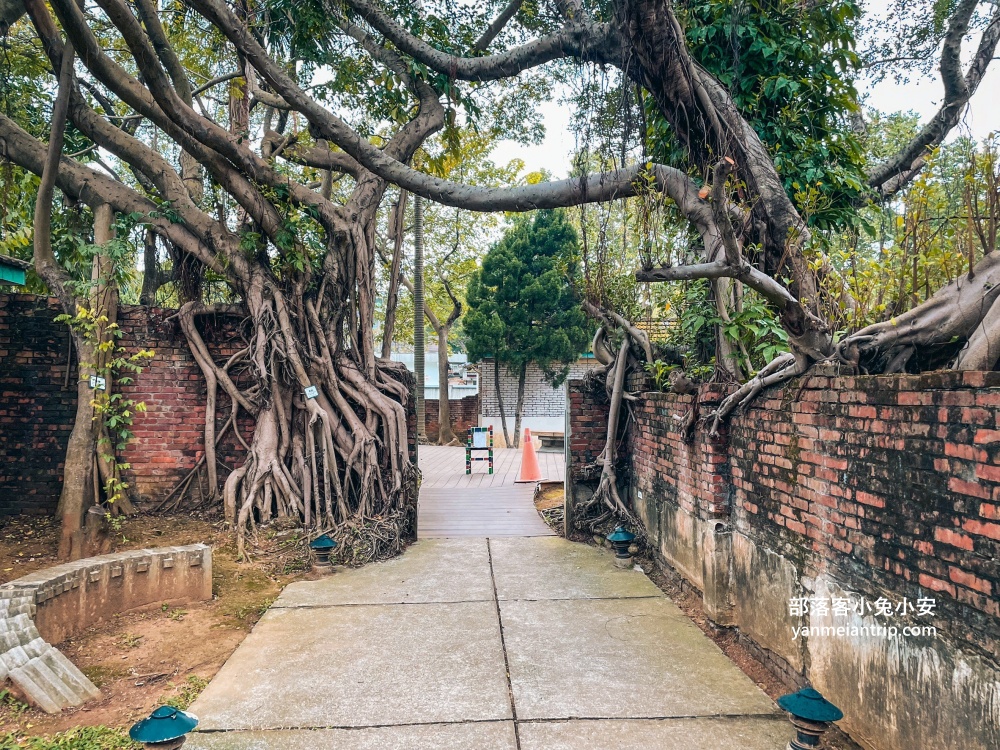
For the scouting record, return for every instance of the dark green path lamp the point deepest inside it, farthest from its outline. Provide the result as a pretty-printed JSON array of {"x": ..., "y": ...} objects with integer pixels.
[
  {"x": 164, "y": 729},
  {"x": 322, "y": 547},
  {"x": 811, "y": 715},
  {"x": 620, "y": 540}
]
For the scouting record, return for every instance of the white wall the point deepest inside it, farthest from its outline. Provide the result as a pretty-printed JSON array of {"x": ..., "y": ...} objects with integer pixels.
[{"x": 544, "y": 406}]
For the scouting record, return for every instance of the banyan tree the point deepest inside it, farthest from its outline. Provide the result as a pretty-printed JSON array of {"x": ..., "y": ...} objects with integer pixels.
[{"x": 304, "y": 174}]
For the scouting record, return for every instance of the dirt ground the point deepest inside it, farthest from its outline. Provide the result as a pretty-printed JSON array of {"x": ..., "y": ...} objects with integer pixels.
[
  {"x": 689, "y": 602},
  {"x": 142, "y": 659},
  {"x": 549, "y": 500}
]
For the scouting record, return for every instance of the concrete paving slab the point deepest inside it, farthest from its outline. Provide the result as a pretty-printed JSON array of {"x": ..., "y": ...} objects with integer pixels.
[
  {"x": 357, "y": 666},
  {"x": 408, "y": 654},
  {"x": 619, "y": 658},
  {"x": 481, "y": 736},
  {"x": 432, "y": 570},
  {"x": 554, "y": 568},
  {"x": 670, "y": 734}
]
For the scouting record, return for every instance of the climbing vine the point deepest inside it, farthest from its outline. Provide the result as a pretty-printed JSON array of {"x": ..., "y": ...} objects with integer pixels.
[{"x": 114, "y": 412}]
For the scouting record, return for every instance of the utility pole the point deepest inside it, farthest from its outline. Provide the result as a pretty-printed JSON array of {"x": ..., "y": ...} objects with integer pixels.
[{"x": 418, "y": 313}]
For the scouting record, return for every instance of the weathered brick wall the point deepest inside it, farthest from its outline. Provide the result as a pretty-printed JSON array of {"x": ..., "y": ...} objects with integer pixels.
[
  {"x": 37, "y": 412},
  {"x": 540, "y": 398},
  {"x": 588, "y": 409},
  {"x": 887, "y": 483},
  {"x": 37, "y": 403},
  {"x": 464, "y": 414},
  {"x": 37, "y": 407},
  {"x": 169, "y": 437},
  {"x": 877, "y": 486},
  {"x": 694, "y": 475}
]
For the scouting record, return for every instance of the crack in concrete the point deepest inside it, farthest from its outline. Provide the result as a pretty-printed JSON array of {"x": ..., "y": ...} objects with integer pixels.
[
  {"x": 466, "y": 601},
  {"x": 548, "y": 720},
  {"x": 503, "y": 646}
]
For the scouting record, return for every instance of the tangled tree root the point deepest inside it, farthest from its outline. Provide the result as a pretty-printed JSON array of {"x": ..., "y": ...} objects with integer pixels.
[
  {"x": 365, "y": 540},
  {"x": 329, "y": 447}
]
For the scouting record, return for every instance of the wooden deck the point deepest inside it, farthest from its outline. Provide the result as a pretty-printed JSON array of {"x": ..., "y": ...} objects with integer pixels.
[{"x": 453, "y": 503}]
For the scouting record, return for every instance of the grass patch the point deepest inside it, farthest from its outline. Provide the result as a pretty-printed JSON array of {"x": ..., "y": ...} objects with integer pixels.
[
  {"x": 83, "y": 738},
  {"x": 190, "y": 690},
  {"x": 102, "y": 675}
]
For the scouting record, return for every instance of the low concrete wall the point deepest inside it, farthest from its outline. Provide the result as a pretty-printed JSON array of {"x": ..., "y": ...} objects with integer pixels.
[{"x": 71, "y": 597}]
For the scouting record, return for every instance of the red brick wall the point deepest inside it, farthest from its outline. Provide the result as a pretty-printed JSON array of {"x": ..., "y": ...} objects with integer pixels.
[
  {"x": 36, "y": 412},
  {"x": 36, "y": 406},
  {"x": 695, "y": 475},
  {"x": 464, "y": 414},
  {"x": 892, "y": 483},
  {"x": 169, "y": 437},
  {"x": 588, "y": 408}
]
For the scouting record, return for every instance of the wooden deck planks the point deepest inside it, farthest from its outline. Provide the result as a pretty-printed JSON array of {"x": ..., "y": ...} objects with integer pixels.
[{"x": 453, "y": 503}]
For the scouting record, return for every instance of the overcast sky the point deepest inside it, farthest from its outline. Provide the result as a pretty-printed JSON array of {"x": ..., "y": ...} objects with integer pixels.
[{"x": 922, "y": 96}]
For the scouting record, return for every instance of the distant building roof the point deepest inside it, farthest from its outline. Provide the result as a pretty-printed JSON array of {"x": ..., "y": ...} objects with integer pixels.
[{"x": 12, "y": 270}]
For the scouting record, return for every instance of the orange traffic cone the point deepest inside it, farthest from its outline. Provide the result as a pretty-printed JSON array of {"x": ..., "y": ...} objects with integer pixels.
[{"x": 529, "y": 461}]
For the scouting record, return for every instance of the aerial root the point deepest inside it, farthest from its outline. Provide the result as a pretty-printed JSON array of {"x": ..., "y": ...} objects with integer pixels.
[{"x": 335, "y": 460}]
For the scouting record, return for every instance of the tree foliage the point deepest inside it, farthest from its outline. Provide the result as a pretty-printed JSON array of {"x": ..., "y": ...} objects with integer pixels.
[
  {"x": 523, "y": 305},
  {"x": 258, "y": 141},
  {"x": 790, "y": 68}
]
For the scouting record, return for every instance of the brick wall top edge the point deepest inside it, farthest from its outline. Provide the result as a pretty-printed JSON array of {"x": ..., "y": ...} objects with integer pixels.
[
  {"x": 125, "y": 310},
  {"x": 927, "y": 381},
  {"x": 21, "y": 297}
]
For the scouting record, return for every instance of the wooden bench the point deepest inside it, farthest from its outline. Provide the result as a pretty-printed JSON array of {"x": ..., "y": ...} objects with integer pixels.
[{"x": 549, "y": 439}]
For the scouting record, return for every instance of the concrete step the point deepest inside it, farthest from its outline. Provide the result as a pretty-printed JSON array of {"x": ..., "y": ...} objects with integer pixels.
[
  {"x": 26, "y": 681},
  {"x": 43, "y": 675}
]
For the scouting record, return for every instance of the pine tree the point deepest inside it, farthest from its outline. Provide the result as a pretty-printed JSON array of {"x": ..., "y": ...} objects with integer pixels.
[{"x": 524, "y": 306}]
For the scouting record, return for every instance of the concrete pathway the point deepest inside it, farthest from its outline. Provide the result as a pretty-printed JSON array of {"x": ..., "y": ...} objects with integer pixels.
[
  {"x": 456, "y": 504},
  {"x": 483, "y": 644}
]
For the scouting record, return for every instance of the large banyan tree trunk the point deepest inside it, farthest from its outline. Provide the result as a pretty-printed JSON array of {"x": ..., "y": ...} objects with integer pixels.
[{"x": 329, "y": 445}]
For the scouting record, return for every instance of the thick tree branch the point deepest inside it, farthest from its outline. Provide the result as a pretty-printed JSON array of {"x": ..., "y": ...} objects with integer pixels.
[
  {"x": 153, "y": 170},
  {"x": 611, "y": 319},
  {"x": 497, "y": 26},
  {"x": 150, "y": 18},
  {"x": 93, "y": 188},
  {"x": 601, "y": 187},
  {"x": 209, "y": 133},
  {"x": 584, "y": 41},
  {"x": 10, "y": 13},
  {"x": 398, "y": 214},
  {"x": 761, "y": 282},
  {"x": 216, "y": 81},
  {"x": 896, "y": 172},
  {"x": 45, "y": 260},
  {"x": 720, "y": 210},
  {"x": 316, "y": 157},
  {"x": 201, "y": 137}
]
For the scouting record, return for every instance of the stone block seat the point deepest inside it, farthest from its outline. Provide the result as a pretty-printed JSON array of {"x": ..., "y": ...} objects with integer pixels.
[{"x": 549, "y": 441}]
